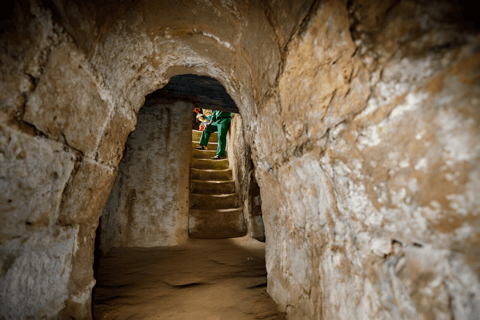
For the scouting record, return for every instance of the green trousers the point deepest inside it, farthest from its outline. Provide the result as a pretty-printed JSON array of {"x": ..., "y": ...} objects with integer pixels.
[{"x": 221, "y": 125}]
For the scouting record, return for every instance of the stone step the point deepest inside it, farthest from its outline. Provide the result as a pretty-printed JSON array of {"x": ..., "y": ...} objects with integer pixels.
[
  {"x": 212, "y": 187},
  {"x": 209, "y": 164},
  {"x": 196, "y": 135},
  {"x": 210, "y": 146},
  {"x": 214, "y": 224},
  {"x": 203, "y": 154},
  {"x": 214, "y": 201},
  {"x": 208, "y": 174}
]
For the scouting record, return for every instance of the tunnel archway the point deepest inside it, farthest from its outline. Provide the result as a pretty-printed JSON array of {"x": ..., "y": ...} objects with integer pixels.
[
  {"x": 156, "y": 162},
  {"x": 148, "y": 207}
]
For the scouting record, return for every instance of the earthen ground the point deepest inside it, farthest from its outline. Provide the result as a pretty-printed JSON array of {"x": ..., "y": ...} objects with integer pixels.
[{"x": 204, "y": 279}]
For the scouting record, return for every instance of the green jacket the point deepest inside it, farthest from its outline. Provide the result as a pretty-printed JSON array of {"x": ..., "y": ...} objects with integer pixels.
[{"x": 218, "y": 115}]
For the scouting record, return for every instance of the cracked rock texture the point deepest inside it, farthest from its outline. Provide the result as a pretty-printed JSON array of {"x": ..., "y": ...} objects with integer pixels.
[
  {"x": 368, "y": 166},
  {"x": 361, "y": 118}
]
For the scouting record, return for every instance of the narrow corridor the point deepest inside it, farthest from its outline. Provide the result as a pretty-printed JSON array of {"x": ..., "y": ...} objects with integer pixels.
[
  {"x": 353, "y": 151},
  {"x": 204, "y": 279}
]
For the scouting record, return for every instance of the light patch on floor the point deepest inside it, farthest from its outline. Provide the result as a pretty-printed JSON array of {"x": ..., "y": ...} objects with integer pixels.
[{"x": 204, "y": 279}]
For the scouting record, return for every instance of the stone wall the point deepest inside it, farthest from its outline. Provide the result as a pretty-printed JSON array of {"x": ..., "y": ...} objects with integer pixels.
[
  {"x": 368, "y": 159},
  {"x": 148, "y": 205},
  {"x": 361, "y": 117},
  {"x": 239, "y": 156}
]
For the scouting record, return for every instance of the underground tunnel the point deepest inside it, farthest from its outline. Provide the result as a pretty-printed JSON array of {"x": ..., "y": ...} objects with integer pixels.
[
  {"x": 354, "y": 151},
  {"x": 167, "y": 192}
]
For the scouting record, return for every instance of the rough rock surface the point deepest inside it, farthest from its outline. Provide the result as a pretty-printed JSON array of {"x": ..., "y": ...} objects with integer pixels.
[
  {"x": 369, "y": 165},
  {"x": 148, "y": 205},
  {"x": 36, "y": 254},
  {"x": 239, "y": 155},
  {"x": 362, "y": 119}
]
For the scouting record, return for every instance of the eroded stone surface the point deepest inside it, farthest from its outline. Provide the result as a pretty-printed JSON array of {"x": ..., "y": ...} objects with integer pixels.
[
  {"x": 35, "y": 253},
  {"x": 35, "y": 274},
  {"x": 86, "y": 193},
  {"x": 148, "y": 205},
  {"x": 66, "y": 104},
  {"x": 34, "y": 172},
  {"x": 374, "y": 196},
  {"x": 28, "y": 37},
  {"x": 239, "y": 156}
]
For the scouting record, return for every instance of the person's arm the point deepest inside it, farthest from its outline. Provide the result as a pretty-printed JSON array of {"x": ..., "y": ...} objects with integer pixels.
[{"x": 213, "y": 119}]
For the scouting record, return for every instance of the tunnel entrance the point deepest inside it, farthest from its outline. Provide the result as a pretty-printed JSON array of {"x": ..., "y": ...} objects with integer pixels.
[
  {"x": 165, "y": 189},
  {"x": 168, "y": 198},
  {"x": 215, "y": 209}
]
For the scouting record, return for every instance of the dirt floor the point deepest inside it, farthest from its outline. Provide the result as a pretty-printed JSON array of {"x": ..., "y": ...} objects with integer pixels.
[{"x": 222, "y": 279}]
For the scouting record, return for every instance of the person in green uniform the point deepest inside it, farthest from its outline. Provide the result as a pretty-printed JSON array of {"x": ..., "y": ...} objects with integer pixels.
[{"x": 219, "y": 122}]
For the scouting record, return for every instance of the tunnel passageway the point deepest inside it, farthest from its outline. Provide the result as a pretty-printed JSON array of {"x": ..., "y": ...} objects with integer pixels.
[
  {"x": 203, "y": 279},
  {"x": 354, "y": 148}
]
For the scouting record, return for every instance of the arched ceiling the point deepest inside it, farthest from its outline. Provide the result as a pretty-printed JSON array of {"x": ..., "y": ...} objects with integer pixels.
[{"x": 206, "y": 92}]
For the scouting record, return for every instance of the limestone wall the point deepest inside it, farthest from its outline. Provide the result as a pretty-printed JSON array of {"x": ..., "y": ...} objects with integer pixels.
[
  {"x": 368, "y": 159},
  {"x": 148, "y": 205},
  {"x": 52, "y": 186},
  {"x": 239, "y": 156},
  {"x": 70, "y": 90}
]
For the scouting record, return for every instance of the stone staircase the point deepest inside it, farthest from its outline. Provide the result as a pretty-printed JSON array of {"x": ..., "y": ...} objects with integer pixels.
[{"x": 215, "y": 210}]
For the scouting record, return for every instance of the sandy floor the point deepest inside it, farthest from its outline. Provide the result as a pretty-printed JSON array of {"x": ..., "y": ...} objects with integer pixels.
[{"x": 222, "y": 279}]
